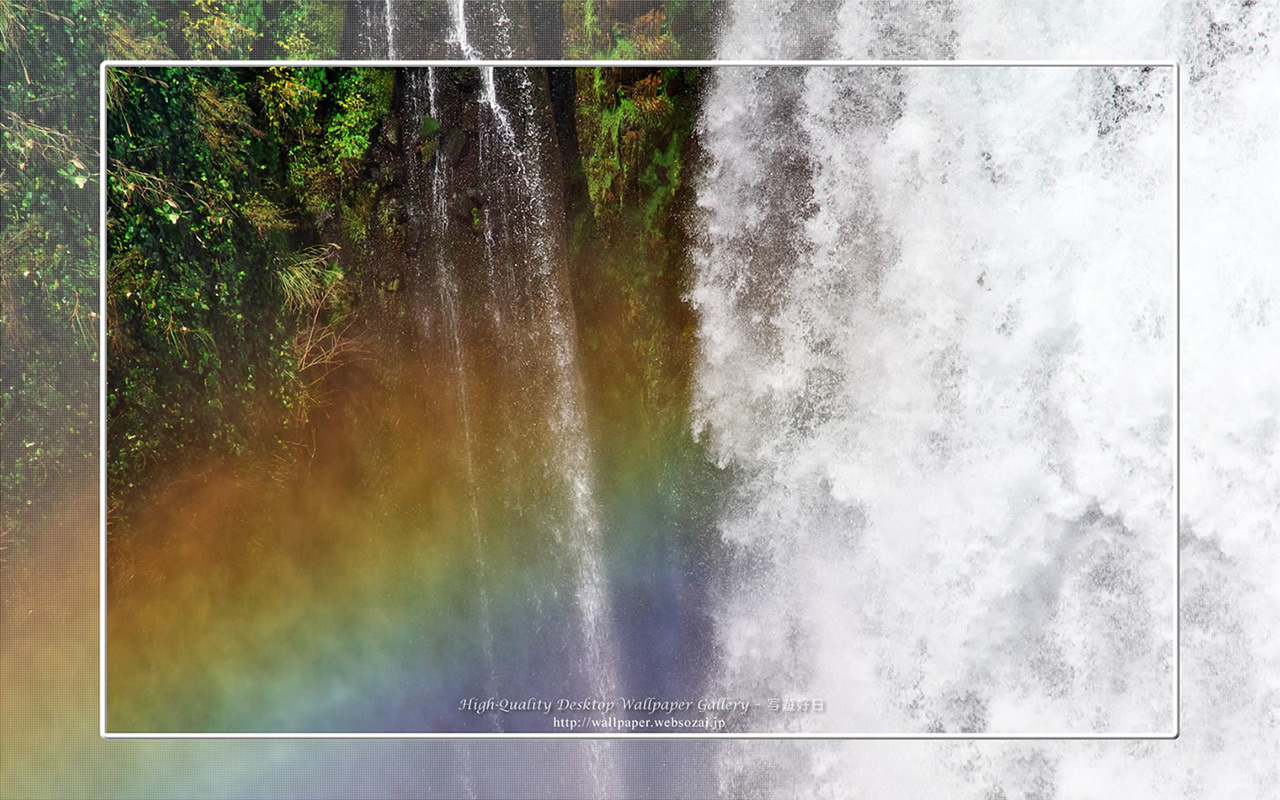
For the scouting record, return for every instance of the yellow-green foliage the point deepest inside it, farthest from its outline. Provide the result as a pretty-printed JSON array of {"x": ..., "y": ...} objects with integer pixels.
[
  {"x": 333, "y": 113},
  {"x": 224, "y": 316},
  {"x": 315, "y": 32},
  {"x": 357, "y": 213},
  {"x": 200, "y": 204},
  {"x": 629, "y": 136},
  {"x": 595, "y": 30},
  {"x": 214, "y": 29},
  {"x": 49, "y": 274}
]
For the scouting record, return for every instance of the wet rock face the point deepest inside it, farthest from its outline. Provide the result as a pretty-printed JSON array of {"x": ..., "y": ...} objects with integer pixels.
[
  {"x": 427, "y": 154},
  {"x": 440, "y": 154},
  {"x": 399, "y": 30},
  {"x": 393, "y": 29}
]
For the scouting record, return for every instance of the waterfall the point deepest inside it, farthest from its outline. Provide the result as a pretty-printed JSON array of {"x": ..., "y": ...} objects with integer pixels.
[
  {"x": 937, "y": 355},
  {"x": 524, "y": 193},
  {"x": 458, "y": 16},
  {"x": 373, "y": 27},
  {"x": 435, "y": 186},
  {"x": 522, "y": 284},
  {"x": 391, "y": 31},
  {"x": 581, "y": 532},
  {"x": 498, "y": 336}
]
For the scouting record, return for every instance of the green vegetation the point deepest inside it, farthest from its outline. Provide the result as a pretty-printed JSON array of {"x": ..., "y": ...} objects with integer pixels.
[
  {"x": 430, "y": 139},
  {"x": 49, "y": 299},
  {"x": 635, "y": 138},
  {"x": 630, "y": 252},
  {"x": 630, "y": 136},
  {"x": 227, "y": 300},
  {"x": 632, "y": 124},
  {"x": 48, "y": 254},
  {"x": 229, "y": 193},
  {"x": 599, "y": 29},
  {"x": 225, "y": 29}
]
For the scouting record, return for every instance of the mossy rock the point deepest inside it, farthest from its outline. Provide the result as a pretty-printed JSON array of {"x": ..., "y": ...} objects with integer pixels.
[
  {"x": 429, "y": 134},
  {"x": 389, "y": 217},
  {"x": 357, "y": 216},
  {"x": 428, "y": 149}
]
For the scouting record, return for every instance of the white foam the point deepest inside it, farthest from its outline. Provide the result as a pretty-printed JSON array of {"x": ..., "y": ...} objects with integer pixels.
[
  {"x": 1230, "y": 654},
  {"x": 945, "y": 374}
]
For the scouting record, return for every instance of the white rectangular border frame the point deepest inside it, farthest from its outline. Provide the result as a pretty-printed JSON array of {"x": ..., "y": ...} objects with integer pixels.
[{"x": 259, "y": 64}]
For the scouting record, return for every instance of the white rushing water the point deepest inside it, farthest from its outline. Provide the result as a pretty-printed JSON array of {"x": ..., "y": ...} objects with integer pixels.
[
  {"x": 526, "y": 196},
  {"x": 1050, "y": 622},
  {"x": 376, "y": 34},
  {"x": 530, "y": 262},
  {"x": 458, "y": 35},
  {"x": 937, "y": 332},
  {"x": 424, "y": 102},
  {"x": 391, "y": 30}
]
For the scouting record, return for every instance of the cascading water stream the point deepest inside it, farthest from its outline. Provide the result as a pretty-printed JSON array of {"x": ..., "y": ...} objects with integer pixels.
[
  {"x": 458, "y": 16},
  {"x": 449, "y": 305},
  {"x": 375, "y": 33},
  {"x": 581, "y": 533},
  {"x": 937, "y": 351},
  {"x": 529, "y": 225},
  {"x": 391, "y": 31}
]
